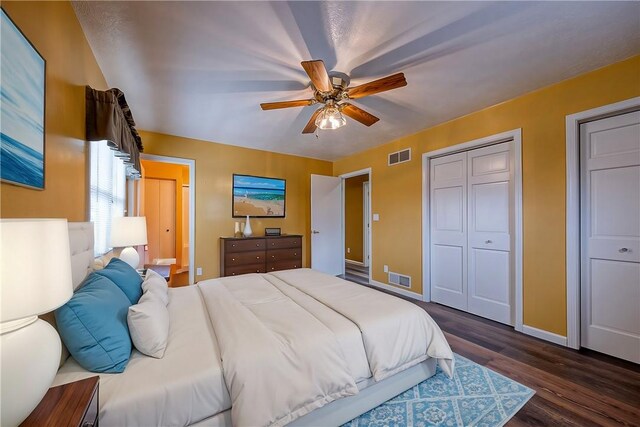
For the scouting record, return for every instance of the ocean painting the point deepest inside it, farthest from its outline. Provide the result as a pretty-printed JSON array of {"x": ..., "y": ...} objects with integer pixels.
[
  {"x": 258, "y": 196},
  {"x": 22, "y": 88}
]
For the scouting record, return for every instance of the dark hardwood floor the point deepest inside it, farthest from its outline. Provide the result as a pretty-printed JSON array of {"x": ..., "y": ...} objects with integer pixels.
[{"x": 573, "y": 388}]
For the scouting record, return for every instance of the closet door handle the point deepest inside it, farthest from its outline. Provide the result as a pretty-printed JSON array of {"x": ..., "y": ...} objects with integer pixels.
[
  {"x": 488, "y": 242},
  {"x": 623, "y": 250}
]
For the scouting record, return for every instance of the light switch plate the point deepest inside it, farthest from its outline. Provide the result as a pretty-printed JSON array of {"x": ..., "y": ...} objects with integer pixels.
[
  {"x": 386, "y": 268},
  {"x": 199, "y": 271},
  {"x": 376, "y": 217}
]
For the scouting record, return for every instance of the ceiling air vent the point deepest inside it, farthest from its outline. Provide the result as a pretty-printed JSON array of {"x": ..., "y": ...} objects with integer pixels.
[
  {"x": 399, "y": 280},
  {"x": 400, "y": 157}
]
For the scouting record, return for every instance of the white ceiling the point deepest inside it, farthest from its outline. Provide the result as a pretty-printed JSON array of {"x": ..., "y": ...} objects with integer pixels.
[{"x": 201, "y": 69}]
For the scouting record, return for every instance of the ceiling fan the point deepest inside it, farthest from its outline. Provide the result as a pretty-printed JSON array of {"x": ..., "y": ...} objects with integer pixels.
[{"x": 331, "y": 89}]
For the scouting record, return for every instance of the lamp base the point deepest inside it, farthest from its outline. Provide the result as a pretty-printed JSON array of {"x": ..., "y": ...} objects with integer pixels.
[
  {"x": 130, "y": 256},
  {"x": 30, "y": 360}
]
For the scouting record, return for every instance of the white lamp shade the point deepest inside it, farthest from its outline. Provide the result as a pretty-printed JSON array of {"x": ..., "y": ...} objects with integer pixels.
[
  {"x": 128, "y": 231},
  {"x": 35, "y": 267}
]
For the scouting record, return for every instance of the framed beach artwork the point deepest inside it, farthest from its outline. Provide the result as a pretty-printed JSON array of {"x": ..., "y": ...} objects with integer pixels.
[
  {"x": 22, "y": 111},
  {"x": 258, "y": 196}
]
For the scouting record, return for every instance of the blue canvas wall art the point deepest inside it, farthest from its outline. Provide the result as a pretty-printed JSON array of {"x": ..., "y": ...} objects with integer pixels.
[
  {"x": 22, "y": 88},
  {"x": 258, "y": 196}
]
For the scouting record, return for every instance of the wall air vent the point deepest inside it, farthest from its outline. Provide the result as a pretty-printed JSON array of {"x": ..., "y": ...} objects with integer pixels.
[
  {"x": 399, "y": 280},
  {"x": 400, "y": 157}
]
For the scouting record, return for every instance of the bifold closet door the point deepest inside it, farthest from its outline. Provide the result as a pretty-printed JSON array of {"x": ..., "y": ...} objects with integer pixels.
[
  {"x": 490, "y": 275},
  {"x": 610, "y": 234},
  {"x": 471, "y": 220},
  {"x": 448, "y": 197}
]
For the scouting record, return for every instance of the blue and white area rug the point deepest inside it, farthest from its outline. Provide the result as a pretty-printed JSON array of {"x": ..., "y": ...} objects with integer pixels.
[{"x": 475, "y": 396}]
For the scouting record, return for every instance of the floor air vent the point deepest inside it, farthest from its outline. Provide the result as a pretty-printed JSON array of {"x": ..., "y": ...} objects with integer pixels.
[
  {"x": 400, "y": 280},
  {"x": 400, "y": 157}
]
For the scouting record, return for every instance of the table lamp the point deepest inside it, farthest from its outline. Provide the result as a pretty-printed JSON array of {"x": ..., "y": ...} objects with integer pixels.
[
  {"x": 35, "y": 278},
  {"x": 128, "y": 231}
]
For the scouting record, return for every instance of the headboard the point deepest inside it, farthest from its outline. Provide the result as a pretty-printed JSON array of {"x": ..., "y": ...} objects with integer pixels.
[{"x": 81, "y": 244}]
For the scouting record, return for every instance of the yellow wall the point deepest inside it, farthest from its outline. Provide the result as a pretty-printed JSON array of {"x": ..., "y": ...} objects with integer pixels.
[
  {"x": 215, "y": 165},
  {"x": 396, "y": 190},
  {"x": 52, "y": 27},
  {"x": 353, "y": 218}
]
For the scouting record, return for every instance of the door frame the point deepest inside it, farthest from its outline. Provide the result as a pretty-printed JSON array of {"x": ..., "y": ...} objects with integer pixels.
[
  {"x": 366, "y": 214},
  {"x": 573, "y": 261},
  {"x": 192, "y": 203},
  {"x": 343, "y": 177},
  {"x": 514, "y": 136}
]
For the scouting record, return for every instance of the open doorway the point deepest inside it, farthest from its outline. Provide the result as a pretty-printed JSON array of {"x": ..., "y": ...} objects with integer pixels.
[
  {"x": 357, "y": 226},
  {"x": 164, "y": 195}
]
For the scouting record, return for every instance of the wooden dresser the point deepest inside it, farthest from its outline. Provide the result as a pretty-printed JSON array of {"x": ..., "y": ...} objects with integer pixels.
[{"x": 259, "y": 254}]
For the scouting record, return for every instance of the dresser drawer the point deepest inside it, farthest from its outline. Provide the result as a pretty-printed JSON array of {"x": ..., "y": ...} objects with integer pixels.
[
  {"x": 284, "y": 254},
  {"x": 283, "y": 265},
  {"x": 284, "y": 242},
  {"x": 244, "y": 245},
  {"x": 244, "y": 269},
  {"x": 244, "y": 258}
]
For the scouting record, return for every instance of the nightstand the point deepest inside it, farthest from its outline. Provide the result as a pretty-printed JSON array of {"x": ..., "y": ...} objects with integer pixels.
[{"x": 68, "y": 405}]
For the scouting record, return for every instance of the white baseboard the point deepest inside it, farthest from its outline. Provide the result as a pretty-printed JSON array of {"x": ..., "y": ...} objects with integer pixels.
[
  {"x": 544, "y": 335},
  {"x": 410, "y": 294},
  {"x": 349, "y": 261}
]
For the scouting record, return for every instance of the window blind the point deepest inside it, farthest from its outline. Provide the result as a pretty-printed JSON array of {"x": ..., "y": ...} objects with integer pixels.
[{"x": 107, "y": 192}]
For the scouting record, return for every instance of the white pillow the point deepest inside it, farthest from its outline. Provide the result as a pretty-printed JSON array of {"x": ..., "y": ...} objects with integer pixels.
[
  {"x": 149, "y": 325},
  {"x": 156, "y": 283}
]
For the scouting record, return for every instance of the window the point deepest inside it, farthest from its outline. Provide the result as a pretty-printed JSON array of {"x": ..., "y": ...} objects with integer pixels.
[{"x": 107, "y": 192}]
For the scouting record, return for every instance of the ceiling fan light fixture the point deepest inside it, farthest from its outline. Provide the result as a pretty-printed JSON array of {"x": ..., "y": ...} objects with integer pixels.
[{"x": 330, "y": 118}]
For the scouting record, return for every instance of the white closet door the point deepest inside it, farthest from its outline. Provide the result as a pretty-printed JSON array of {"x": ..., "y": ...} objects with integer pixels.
[
  {"x": 610, "y": 226},
  {"x": 448, "y": 230},
  {"x": 489, "y": 172}
]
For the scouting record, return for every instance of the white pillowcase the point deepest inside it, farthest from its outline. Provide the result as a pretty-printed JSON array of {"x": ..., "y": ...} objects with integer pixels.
[
  {"x": 149, "y": 324},
  {"x": 153, "y": 282}
]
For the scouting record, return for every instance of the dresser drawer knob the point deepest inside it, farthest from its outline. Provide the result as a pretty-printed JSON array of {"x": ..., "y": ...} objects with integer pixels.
[
  {"x": 257, "y": 244},
  {"x": 257, "y": 271},
  {"x": 257, "y": 257},
  {"x": 295, "y": 254},
  {"x": 233, "y": 245},
  {"x": 233, "y": 259},
  {"x": 233, "y": 274}
]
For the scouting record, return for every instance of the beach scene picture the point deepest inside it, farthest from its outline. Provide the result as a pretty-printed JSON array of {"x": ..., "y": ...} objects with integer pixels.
[
  {"x": 22, "y": 81},
  {"x": 258, "y": 196}
]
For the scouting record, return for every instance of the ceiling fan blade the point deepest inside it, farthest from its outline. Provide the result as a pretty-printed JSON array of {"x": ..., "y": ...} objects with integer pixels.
[
  {"x": 311, "y": 124},
  {"x": 286, "y": 104},
  {"x": 358, "y": 114},
  {"x": 318, "y": 74},
  {"x": 386, "y": 83}
]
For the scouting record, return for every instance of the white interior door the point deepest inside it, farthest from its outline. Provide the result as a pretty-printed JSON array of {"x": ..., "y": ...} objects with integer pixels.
[
  {"x": 448, "y": 196},
  {"x": 490, "y": 214},
  {"x": 327, "y": 253},
  {"x": 610, "y": 243},
  {"x": 366, "y": 252}
]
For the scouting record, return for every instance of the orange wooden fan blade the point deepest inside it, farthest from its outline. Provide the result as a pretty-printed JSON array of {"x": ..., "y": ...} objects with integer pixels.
[
  {"x": 359, "y": 114},
  {"x": 286, "y": 104},
  {"x": 318, "y": 74},
  {"x": 311, "y": 125},
  {"x": 386, "y": 83}
]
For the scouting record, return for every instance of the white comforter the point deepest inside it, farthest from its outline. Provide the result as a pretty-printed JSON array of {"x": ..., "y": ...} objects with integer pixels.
[
  {"x": 279, "y": 361},
  {"x": 281, "y": 358}
]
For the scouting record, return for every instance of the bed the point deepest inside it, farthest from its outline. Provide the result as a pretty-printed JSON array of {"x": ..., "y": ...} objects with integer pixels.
[{"x": 295, "y": 347}]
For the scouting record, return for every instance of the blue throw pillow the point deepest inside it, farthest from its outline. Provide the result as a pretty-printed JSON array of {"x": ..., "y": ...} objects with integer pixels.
[
  {"x": 93, "y": 325},
  {"x": 125, "y": 276}
]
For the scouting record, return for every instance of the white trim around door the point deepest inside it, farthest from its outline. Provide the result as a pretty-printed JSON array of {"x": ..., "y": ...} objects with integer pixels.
[
  {"x": 344, "y": 176},
  {"x": 192, "y": 204},
  {"x": 514, "y": 136},
  {"x": 573, "y": 122}
]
